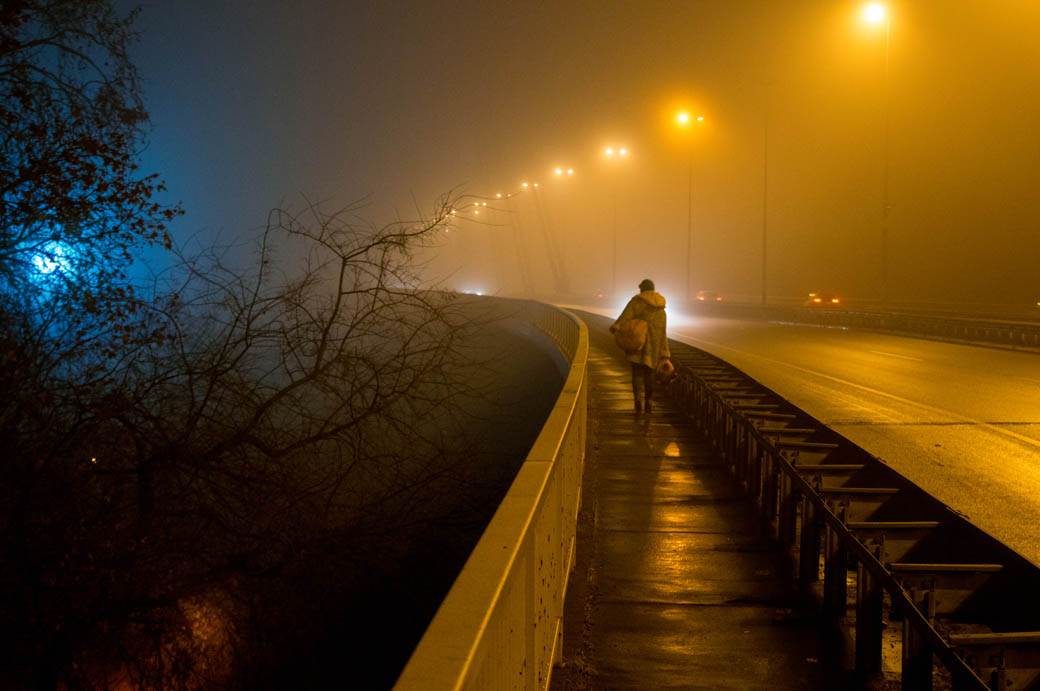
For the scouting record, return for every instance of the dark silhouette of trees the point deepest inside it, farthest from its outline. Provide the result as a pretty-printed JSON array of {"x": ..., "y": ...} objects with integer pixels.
[
  {"x": 75, "y": 205},
  {"x": 193, "y": 468},
  {"x": 286, "y": 416}
]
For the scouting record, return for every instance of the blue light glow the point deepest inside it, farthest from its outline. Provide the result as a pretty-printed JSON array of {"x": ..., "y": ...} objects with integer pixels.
[{"x": 51, "y": 257}]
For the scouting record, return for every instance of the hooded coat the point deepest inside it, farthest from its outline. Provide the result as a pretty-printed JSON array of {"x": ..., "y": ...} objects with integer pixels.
[{"x": 648, "y": 306}]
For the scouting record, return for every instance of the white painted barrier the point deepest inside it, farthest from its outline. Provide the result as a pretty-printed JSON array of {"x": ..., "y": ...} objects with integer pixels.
[{"x": 500, "y": 626}]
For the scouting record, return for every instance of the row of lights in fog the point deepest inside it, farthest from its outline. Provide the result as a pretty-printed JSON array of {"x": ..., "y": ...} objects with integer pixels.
[
  {"x": 610, "y": 152},
  {"x": 872, "y": 13}
]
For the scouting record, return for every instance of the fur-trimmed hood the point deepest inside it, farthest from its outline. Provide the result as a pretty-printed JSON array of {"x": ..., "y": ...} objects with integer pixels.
[{"x": 652, "y": 298}]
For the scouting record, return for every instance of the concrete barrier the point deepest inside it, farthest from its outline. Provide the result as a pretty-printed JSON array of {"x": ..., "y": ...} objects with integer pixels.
[{"x": 500, "y": 625}]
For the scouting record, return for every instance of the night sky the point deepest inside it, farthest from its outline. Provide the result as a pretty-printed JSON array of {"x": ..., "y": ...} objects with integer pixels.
[{"x": 255, "y": 103}]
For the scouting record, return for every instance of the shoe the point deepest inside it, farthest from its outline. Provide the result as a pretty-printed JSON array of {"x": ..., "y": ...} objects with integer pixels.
[{"x": 649, "y": 406}]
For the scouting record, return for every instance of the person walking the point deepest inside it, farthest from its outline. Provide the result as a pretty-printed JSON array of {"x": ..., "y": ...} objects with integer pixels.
[{"x": 647, "y": 306}]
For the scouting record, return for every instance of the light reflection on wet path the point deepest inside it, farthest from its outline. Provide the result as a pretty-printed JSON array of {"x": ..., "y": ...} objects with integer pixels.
[{"x": 674, "y": 585}]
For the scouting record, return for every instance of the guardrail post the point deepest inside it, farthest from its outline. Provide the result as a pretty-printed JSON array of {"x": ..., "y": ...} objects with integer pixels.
[
  {"x": 917, "y": 656},
  {"x": 718, "y": 433},
  {"x": 703, "y": 410},
  {"x": 750, "y": 449},
  {"x": 787, "y": 525},
  {"x": 835, "y": 573},
  {"x": 730, "y": 450},
  {"x": 809, "y": 549},
  {"x": 769, "y": 488},
  {"x": 739, "y": 441},
  {"x": 869, "y": 606},
  {"x": 754, "y": 471}
]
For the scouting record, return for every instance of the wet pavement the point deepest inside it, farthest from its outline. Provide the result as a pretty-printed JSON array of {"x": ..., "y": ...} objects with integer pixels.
[
  {"x": 675, "y": 586},
  {"x": 961, "y": 422}
]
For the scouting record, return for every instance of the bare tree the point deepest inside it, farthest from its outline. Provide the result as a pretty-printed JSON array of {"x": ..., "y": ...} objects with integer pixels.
[
  {"x": 284, "y": 415},
  {"x": 175, "y": 460}
]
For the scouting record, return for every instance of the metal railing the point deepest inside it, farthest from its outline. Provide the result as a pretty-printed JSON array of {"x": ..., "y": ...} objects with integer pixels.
[
  {"x": 500, "y": 626},
  {"x": 963, "y": 329},
  {"x": 887, "y": 552}
]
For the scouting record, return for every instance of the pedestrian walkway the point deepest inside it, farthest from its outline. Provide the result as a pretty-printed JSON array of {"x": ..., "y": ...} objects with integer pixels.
[{"x": 675, "y": 586}]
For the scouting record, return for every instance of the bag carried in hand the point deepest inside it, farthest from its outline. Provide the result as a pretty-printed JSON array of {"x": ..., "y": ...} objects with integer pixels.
[
  {"x": 630, "y": 335},
  {"x": 665, "y": 371}
]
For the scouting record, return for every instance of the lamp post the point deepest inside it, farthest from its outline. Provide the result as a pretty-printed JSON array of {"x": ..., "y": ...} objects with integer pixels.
[
  {"x": 614, "y": 154},
  {"x": 765, "y": 198},
  {"x": 877, "y": 14},
  {"x": 684, "y": 120}
]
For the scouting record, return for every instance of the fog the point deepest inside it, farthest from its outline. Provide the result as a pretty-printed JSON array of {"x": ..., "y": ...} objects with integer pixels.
[{"x": 254, "y": 103}]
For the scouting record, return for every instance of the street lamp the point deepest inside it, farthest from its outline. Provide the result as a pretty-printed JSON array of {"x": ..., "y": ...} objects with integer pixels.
[
  {"x": 685, "y": 120},
  {"x": 614, "y": 154},
  {"x": 876, "y": 14}
]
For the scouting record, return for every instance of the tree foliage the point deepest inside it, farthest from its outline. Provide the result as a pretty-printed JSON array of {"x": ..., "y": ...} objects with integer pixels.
[{"x": 74, "y": 206}]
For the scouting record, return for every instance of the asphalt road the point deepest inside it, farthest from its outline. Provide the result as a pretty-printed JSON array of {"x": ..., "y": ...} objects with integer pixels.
[{"x": 963, "y": 422}]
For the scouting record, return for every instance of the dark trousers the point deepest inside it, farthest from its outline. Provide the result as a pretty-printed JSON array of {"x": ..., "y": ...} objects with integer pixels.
[{"x": 642, "y": 382}]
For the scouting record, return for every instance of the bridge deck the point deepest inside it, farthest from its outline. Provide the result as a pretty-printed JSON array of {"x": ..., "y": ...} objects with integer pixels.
[{"x": 675, "y": 586}]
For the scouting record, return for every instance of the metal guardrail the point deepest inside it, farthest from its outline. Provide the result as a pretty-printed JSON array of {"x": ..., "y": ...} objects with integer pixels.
[
  {"x": 500, "y": 626},
  {"x": 972, "y": 330},
  {"x": 887, "y": 552},
  {"x": 1007, "y": 333}
]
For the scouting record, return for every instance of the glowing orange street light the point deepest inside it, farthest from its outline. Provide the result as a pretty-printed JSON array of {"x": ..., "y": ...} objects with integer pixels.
[
  {"x": 684, "y": 119},
  {"x": 524, "y": 185},
  {"x": 558, "y": 172},
  {"x": 874, "y": 13},
  {"x": 613, "y": 153}
]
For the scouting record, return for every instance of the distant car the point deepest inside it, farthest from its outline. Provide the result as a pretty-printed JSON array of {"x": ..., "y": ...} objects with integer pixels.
[
  {"x": 708, "y": 296},
  {"x": 822, "y": 300}
]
